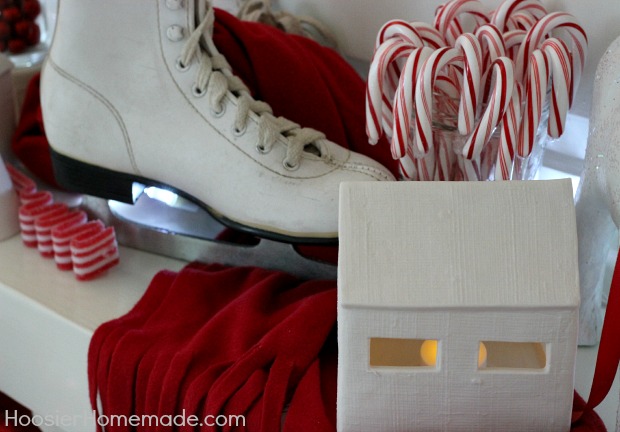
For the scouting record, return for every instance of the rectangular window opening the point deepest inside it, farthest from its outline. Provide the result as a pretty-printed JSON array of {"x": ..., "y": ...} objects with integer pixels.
[
  {"x": 405, "y": 353},
  {"x": 512, "y": 355}
]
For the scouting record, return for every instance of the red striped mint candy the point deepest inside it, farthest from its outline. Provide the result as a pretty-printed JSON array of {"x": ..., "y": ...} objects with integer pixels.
[
  {"x": 28, "y": 215},
  {"x": 94, "y": 253},
  {"x": 63, "y": 233}
]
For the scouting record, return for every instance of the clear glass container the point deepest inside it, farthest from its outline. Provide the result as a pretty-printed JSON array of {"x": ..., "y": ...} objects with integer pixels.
[{"x": 34, "y": 56}]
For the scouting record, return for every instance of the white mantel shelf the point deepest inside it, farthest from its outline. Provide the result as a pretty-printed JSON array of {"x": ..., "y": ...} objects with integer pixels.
[{"x": 47, "y": 318}]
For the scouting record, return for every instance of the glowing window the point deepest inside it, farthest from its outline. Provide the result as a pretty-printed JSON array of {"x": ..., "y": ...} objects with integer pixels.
[{"x": 406, "y": 353}]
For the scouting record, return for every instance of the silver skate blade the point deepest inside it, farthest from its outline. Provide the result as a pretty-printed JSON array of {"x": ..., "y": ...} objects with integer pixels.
[{"x": 179, "y": 229}]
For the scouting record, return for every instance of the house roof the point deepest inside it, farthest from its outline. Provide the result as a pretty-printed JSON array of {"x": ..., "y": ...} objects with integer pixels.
[{"x": 458, "y": 244}]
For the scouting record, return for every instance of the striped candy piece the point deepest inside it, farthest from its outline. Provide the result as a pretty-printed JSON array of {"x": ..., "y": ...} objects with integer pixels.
[
  {"x": 21, "y": 182},
  {"x": 63, "y": 233},
  {"x": 92, "y": 253},
  {"x": 28, "y": 215},
  {"x": 44, "y": 226},
  {"x": 36, "y": 197}
]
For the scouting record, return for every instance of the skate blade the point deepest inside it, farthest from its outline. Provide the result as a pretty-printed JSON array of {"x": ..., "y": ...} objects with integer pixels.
[{"x": 166, "y": 224}]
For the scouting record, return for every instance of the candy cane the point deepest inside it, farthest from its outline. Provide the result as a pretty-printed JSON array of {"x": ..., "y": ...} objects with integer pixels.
[
  {"x": 403, "y": 101},
  {"x": 408, "y": 167},
  {"x": 504, "y": 83},
  {"x": 426, "y": 166},
  {"x": 513, "y": 40},
  {"x": 424, "y": 94},
  {"x": 378, "y": 97},
  {"x": 523, "y": 20},
  {"x": 494, "y": 39},
  {"x": 399, "y": 29},
  {"x": 535, "y": 37},
  {"x": 430, "y": 35},
  {"x": 534, "y": 102},
  {"x": 470, "y": 168},
  {"x": 503, "y": 13},
  {"x": 472, "y": 50},
  {"x": 489, "y": 36},
  {"x": 509, "y": 135},
  {"x": 558, "y": 57},
  {"x": 446, "y": 16}
]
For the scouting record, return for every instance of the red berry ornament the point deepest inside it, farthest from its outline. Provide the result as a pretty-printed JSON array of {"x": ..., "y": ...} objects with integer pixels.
[
  {"x": 11, "y": 14},
  {"x": 34, "y": 35},
  {"x": 17, "y": 46},
  {"x": 31, "y": 9},
  {"x": 5, "y": 30},
  {"x": 17, "y": 27},
  {"x": 22, "y": 28}
]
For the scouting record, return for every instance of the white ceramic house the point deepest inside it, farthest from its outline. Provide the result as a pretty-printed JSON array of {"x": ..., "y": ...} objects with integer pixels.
[{"x": 485, "y": 271}]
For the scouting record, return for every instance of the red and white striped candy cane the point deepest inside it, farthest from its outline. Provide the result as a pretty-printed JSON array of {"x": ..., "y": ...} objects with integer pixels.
[
  {"x": 379, "y": 93},
  {"x": 447, "y": 18},
  {"x": 408, "y": 167},
  {"x": 523, "y": 20},
  {"x": 426, "y": 166},
  {"x": 470, "y": 46},
  {"x": 503, "y": 14},
  {"x": 403, "y": 102},
  {"x": 470, "y": 168},
  {"x": 559, "y": 60},
  {"x": 536, "y": 90},
  {"x": 496, "y": 47},
  {"x": 399, "y": 29},
  {"x": 503, "y": 69},
  {"x": 513, "y": 40},
  {"x": 424, "y": 94},
  {"x": 491, "y": 38},
  {"x": 509, "y": 135},
  {"x": 430, "y": 35},
  {"x": 538, "y": 33}
]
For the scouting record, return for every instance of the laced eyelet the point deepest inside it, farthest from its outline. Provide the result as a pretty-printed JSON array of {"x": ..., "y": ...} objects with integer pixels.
[
  {"x": 260, "y": 148},
  {"x": 197, "y": 92},
  {"x": 217, "y": 113},
  {"x": 175, "y": 33},
  {"x": 238, "y": 132},
  {"x": 289, "y": 166},
  {"x": 180, "y": 66}
]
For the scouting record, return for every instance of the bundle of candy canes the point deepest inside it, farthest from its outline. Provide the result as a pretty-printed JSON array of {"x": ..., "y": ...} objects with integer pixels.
[
  {"x": 465, "y": 97},
  {"x": 86, "y": 247}
]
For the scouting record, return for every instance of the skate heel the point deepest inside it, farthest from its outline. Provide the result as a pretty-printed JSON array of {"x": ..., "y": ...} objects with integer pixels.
[{"x": 82, "y": 177}]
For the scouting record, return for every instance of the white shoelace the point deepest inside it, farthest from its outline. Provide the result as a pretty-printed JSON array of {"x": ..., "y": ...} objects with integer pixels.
[
  {"x": 215, "y": 74},
  {"x": 303, "y": 25}
]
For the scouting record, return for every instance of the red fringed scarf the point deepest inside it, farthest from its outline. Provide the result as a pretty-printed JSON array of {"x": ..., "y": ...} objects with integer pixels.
[{"x": 214, "y": 340}]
